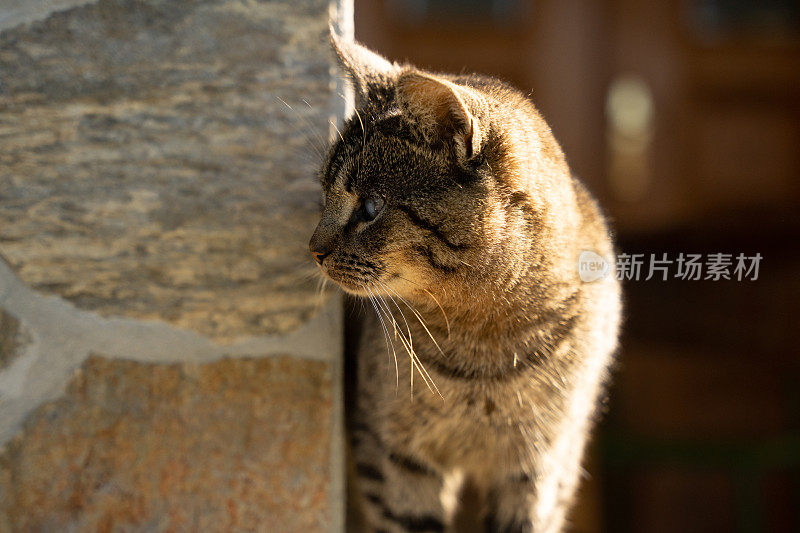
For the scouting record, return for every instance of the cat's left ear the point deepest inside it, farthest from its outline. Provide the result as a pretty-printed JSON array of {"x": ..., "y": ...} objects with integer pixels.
[
  {"x": 368, "y": 71},
  {"x": 443, "y": 110}
]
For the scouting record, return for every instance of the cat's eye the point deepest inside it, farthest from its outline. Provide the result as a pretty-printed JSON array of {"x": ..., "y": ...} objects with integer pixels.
[{"x": 372, "y": 207}]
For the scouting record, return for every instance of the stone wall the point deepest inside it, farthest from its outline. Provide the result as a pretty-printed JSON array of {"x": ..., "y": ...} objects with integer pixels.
[{"x": 167, "y": 360}]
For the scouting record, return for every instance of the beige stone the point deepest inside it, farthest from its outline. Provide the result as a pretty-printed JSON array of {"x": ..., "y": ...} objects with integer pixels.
[{"x": 234, "y": 445}]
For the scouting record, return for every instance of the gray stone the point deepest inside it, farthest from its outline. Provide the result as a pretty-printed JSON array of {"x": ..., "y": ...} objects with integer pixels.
[
  {"x": 16, "y": 12},
  {"x": 149, "y": 169}
]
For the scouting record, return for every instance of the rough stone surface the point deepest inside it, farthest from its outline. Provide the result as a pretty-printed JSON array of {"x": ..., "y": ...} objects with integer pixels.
[
  {"x": 149, "y": 169},
  {"x": 156, "y": 198},
  {"x": 16, "y": 12},
  {"x": 234, "y": 445}
]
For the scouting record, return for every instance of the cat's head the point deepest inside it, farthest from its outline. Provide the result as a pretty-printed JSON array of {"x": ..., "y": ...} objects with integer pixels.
[{"x": 423, "y": 189}]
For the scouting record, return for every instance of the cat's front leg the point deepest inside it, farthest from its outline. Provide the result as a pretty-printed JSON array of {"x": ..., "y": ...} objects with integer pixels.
[
  {"x": 510, "y": 506},
  {"x": 397, "y": 493}
]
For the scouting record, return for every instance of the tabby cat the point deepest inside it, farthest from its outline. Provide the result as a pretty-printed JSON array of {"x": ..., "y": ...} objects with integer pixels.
[{"x": 449, "y": 208}]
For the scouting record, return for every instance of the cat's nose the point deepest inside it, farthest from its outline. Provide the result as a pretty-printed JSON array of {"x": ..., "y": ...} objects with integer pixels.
[
  {"x": 318, "y": 249},
  {"x": 319, "y": 256}
]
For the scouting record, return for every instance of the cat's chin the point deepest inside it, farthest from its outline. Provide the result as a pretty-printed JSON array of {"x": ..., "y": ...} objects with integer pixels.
[
  {"x": 349, "y": 287},
  {"x": 354, "y": 291},
  {"x": 358, "y": 289}
]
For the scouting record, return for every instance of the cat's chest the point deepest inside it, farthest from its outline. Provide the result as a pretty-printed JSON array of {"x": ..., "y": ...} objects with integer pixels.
[
  {"x": 450, "y": 417},
  {"x": 470, "y": 429},
  {"x": 468, "y": 424}
]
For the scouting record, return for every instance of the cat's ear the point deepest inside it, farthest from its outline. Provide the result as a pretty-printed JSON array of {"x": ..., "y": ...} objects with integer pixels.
[
  {"x": 442, "y": 110},
  {"x": 366, "y": 69}
]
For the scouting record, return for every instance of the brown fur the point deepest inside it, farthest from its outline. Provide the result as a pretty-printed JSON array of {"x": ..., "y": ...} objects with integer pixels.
[{"x": 470, "y": 266}]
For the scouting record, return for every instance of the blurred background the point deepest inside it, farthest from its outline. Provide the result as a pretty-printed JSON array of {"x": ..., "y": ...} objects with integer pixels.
[{"x": 683, "y": 118}]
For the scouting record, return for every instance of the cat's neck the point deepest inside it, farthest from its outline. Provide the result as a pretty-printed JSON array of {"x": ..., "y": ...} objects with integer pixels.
[
  {"x": 487, "y": 319},
  {"x": 483, "y": 341}
]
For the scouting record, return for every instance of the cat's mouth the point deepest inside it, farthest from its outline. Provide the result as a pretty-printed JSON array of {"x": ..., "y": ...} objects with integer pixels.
[
  {"x": 351, "y": 281},
  {"x": 356, "y": 275},
  {"x": 350, "y": 286}
]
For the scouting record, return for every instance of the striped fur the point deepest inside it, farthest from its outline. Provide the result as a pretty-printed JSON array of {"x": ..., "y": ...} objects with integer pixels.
[{"x": 476, "y": 371}]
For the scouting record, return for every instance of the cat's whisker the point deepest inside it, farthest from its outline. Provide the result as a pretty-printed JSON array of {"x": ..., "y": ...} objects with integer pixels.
[
  {"x": 410, "y": 341},
  {"x": 386, "y": 337},
  {"x": 308, "y": 275},
  {"x": 363, "y": 130},
  {"x": 323, "y": 282},
  {"x": 332, "y": 123},
  {"x": 363, "y": 139},
  {"x": 389, "y": 315},
  {"x": 407, "y": 344},
  {"x": 446, "y": 321},
  {"x": 415, "y": 359},
  {"x": 425, "y": 374},
  {"x": 416, "y": 313},
  {"x": 394, "y": 322},
  {"x": 320, "y": 284},
  {"x": 319, "y": 148},
  {"x": 429, "y": 293}
]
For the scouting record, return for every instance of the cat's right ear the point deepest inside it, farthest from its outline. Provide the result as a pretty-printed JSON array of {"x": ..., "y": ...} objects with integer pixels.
[
  {"x": 442, "y": 110},
  {"x": 367, "y": 70}
]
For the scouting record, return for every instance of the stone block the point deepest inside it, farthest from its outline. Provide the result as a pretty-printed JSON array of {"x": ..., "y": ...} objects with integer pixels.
[
  {"x": 234, "y": 445},
  {"x": 158, "y": 159}
]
